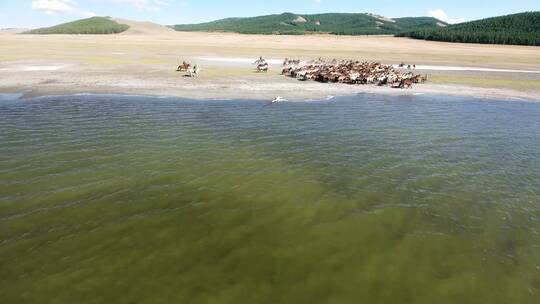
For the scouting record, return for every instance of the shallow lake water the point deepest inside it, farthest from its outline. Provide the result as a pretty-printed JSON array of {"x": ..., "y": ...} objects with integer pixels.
[{"x": 363, "y": 199}]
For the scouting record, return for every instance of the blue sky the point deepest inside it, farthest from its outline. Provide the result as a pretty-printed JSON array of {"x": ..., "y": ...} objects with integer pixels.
[{"x": 37, "y": 13}]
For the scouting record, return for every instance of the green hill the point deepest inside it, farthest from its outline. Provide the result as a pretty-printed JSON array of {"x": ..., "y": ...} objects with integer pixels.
[
  {"x": 293, "y": 24},
  {"x": 520, "y": 29},
  {"x": 94, "y": 25}
]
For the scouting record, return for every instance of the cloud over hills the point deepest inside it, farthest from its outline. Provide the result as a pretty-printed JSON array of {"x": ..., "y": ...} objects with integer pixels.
[{"x": 441, "y": 15}]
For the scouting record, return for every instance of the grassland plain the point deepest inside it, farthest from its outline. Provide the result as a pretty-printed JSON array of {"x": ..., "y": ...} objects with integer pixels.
[{"x": 142, "y": 60}]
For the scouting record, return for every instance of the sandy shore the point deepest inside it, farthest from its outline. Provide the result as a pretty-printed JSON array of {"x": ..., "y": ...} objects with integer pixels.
[
  {"x": 262, "y": 88},
  {"x": 143, "y": 61}
]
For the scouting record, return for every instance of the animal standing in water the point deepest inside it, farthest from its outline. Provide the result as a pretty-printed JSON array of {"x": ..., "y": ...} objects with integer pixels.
[
  {"x": 406, "y": 83},
  {"x": 279, "y": 99}
]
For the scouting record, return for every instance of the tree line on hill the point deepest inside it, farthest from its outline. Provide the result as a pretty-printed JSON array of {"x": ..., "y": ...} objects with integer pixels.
[
  {"x": 517, "y": 29},
  {"x": 93, "y": 25}
]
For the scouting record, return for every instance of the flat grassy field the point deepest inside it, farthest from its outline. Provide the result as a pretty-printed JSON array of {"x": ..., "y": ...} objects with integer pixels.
[
  {"x": 150, "y": 53},
  {"x": 171, "y": 44}
]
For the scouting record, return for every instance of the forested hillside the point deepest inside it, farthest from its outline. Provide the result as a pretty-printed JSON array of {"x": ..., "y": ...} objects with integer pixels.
[
  {"x": 293, "y": 24},
  {"x": 520, "y": 29},
  {"x": 94, "y": 25}
]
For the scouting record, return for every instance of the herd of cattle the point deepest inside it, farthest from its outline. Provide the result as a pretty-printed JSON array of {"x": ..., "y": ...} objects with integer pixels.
[{"x": 351, "y": 72}]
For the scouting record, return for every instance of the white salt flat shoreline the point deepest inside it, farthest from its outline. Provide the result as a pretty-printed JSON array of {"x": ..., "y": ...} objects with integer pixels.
[
  {"x": 469, "y": 69},
  {"x": 277, "y": 61},
  {"x": 268, "y": 90},
  {"x": 39, "y": 78},
  {"x": 34, "y": 68},
  {"x": 273, "y": 61}
]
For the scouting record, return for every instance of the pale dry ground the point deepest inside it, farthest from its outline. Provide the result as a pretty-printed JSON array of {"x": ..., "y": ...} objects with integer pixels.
[
  {"x": 11, "y": 31},
  {"x": 143, "y": 59}
]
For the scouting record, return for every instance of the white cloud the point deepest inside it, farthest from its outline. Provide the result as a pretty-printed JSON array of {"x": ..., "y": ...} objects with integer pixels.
[
  {"x": 441, "y": 15},
  {"x": 319, "y": 1},
  {"x": 60, "y": 7},
  {"x": 145, "y": 5}
]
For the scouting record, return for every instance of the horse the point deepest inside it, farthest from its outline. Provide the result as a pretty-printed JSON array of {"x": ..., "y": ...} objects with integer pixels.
[
  {"x": 262, "y": 67},
  {"x": 194, "y": 71},
  {"x": 259, "y": 61},
  {"x": 291, "y": 62},
  {"x": 406, "y": 83},
  {"x": 183, "y": 67}
]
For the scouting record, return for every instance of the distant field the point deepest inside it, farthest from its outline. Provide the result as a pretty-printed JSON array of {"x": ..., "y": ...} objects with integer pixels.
[
  {"x": 94, "y": 25},
  {"x": 146, "y": 63},
  {"x": 161, "y": 46}
]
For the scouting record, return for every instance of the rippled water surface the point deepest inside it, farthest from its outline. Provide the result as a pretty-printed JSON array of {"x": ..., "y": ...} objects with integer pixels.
[{"x": 365, "y": 199}]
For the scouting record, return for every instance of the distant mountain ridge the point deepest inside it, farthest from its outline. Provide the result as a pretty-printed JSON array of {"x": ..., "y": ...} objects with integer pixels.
[
  {"x": 519, "y": 29},
  {"x": 330, "y": 23}
]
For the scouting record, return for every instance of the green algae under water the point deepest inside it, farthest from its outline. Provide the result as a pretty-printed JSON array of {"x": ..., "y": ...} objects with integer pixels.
[{"x": 364, "y": 199}]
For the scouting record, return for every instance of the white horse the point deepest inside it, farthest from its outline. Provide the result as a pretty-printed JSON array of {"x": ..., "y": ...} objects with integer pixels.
[
  {"x": 194, "y": 71},
  {"x": 263, "y": 67}
]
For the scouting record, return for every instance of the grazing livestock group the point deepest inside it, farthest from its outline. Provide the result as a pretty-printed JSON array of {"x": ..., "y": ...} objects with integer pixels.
[
  {"x": 352, "y": 72},
  {"x": 192, "y": 71},
  {"x": 340, "y": 71}
]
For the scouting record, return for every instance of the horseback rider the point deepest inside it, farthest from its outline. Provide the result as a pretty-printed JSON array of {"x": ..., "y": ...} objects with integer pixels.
[{"x": 260, "y": 61}]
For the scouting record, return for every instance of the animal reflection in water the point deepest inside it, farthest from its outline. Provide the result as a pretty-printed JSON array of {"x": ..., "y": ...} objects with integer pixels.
[{"x": 276, "y": 100}]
